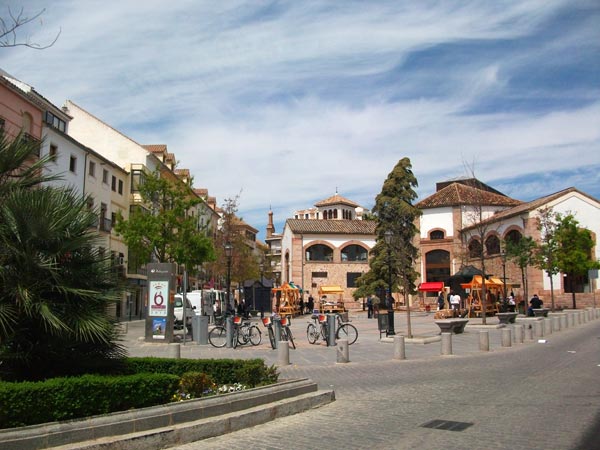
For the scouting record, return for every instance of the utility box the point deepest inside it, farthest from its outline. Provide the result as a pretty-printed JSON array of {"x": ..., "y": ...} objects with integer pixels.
[{"x": 160, "y": 317}]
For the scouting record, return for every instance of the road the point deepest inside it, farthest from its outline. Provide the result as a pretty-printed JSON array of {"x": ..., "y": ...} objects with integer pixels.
[{"x": 529, "y": 396}]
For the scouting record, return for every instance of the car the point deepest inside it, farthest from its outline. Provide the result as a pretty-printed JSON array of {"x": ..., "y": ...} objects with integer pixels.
[{"x": 178, "y": 310}]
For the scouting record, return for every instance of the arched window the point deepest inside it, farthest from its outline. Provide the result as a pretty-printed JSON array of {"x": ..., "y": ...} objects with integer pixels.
[
  {"x": 475, "y": 249},
  {"x": 492, "y": 245},
  {"x": 319, "y": 252},
  {"x": 27, "y": 123},
  {"x": 354, "y": 253},
  {"x": 513, "y": 236},
  {"x": 436, "y": 234},
  {"x": 335, "y": 213}
]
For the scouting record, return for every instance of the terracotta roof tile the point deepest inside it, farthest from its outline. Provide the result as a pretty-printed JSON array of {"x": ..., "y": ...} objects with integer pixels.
[
  {"x": 156, "y": 148},
  {"x": 320, "y": 226},
  {"x": 336, "y": 200},
  {"x": 459, "y": 194}
]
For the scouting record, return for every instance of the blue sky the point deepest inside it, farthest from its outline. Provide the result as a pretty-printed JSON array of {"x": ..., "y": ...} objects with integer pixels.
[{"x": 283, "y": 102}]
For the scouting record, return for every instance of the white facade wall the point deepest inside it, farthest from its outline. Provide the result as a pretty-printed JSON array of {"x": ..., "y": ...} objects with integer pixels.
[
  {"x": 436, "y": 218},
  {"x": 65, "y": 150}
]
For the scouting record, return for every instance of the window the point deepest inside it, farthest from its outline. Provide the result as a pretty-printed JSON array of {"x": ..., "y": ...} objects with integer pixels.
[
  {"x": 92, "y": 169},
  {"x": 319, "y": 252},
  {"x": 436, "y": 234},
  {"x": 55, "y": 122},
  {"x": 73, "y": 164},
  {"x": 492, "y": 245},
  {"x": 354, "y": 253},
  {"x": 351, "y": 279},
  {"x": 475, "y": 249},
  {"x": 121, "y": 187},
  {"x": 437, "y": 265},
  {"x": 319, "y": 274},
  {"x": 113, "y": 185},
  {"x": 513, "y": 236},
  {"x": 53, "y": 152},
  {"x": 105, "y": 176}
]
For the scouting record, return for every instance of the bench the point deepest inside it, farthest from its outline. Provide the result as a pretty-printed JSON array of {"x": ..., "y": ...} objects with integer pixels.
[
  {"x": 540, "y": 312},
  {"x": 455, "y": 326},
  {"x": 507, "y": 317}
]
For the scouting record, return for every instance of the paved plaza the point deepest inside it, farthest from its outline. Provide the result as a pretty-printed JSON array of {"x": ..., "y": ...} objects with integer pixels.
[{"x": 540, "y": 394}]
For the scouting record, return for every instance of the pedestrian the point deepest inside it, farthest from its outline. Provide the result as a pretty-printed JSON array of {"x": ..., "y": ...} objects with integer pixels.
[
  {"x": 534, "y": 303},
  {"x": 301, "y": 305},
  {"x": 376, "y": 302},
  {"x": 455, "y": 303},
  {"x": 440, "y": 301},
  {"x": 310, "y": 304},
  {"x": 369, "y": 307}
]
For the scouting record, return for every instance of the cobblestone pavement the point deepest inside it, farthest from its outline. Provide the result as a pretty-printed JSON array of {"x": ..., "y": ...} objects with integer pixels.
[{"x": 528, "y": 396}]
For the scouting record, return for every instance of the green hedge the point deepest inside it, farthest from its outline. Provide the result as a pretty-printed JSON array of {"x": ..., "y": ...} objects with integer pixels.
[
  {"x": 140, "y": 382},
  {"x": 30, "y": 403}
]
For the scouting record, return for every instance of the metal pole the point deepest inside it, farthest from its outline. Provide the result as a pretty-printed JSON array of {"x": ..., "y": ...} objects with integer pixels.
[
  {"x": 390, "y": 303},
  {"x": 184, "y": 315}
]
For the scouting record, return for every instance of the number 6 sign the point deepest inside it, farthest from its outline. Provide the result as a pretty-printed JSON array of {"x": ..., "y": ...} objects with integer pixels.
[{"x": 158, "y": 292}]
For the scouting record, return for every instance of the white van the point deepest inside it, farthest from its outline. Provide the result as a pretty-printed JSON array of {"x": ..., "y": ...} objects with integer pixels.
[{"x": 178, "y": 312}]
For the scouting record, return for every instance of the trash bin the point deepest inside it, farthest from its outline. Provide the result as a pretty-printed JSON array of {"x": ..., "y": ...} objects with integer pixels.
[
  {"x": 200, "y": 329},
  {"x": 382, "y": 324}
]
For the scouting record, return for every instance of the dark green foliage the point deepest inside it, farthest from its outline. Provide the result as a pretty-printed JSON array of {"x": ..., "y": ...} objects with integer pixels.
[
  {"x": 31, "y": 403},
  {"x": 195, "y": 384}
]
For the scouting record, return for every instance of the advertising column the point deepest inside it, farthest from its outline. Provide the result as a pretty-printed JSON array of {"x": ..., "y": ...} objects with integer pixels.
[{"x": 160, "y": 302}]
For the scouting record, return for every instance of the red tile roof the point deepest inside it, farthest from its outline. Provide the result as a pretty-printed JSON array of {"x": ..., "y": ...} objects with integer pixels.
[
  {"x": 321, "y": 226},
  {"x": 156, "y": 148},
  {"x": 460, "y": 194},
  {"x": 336, "y": 200}
]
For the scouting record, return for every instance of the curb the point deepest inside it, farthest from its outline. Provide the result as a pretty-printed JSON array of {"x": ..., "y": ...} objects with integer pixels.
[{"x": 172, "y": 424}]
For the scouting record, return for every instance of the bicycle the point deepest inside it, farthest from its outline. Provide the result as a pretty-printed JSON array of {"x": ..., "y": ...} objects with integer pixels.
[
  {"x": 242, "y": 334},
  {"x": 286, "y": 332},
  {"x": 344, "y": 330}
]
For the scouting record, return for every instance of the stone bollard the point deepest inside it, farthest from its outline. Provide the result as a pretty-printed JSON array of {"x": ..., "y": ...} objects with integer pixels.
[
  {"x": 518, "y": 333},
  {"x": 555, "y": 324},
  {"x": 539, "y": 329},
  {"x": 506, "y": 337},
  {"x": 547, "y": 326},
  {"x": 283, "y": 353},
  {"x": 564, "y": 322},
  {"x": 399, "y": 347},
  {"x": 583, "y": 317},
  {"x": 571, "y": 317},
  {"x": 342, "y": 351},
  {"x": 446, "y": 343},
  {"x": 575, "y": 315},
  {"x": 529, "y": 331},
  {"x": 174, "y": 350},
  {"x": 484, "y": 341}
]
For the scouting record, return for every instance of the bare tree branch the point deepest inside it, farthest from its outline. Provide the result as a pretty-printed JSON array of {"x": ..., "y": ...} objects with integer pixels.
[{"x": 11, "y": 26}]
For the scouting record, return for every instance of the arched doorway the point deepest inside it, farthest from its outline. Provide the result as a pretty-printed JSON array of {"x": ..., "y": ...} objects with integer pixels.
[{"x": 437, "y": 265}]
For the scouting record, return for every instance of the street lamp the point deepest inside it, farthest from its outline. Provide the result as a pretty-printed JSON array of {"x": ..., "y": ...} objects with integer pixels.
[
  {"x": 389, "y": 237},
  {"x": 503, "y": 257},
  {"x": 228, "y": 252}
]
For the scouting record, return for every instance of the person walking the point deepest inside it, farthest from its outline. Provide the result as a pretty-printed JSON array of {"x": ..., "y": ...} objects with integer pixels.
[
  {"x": 440, "y": 301},
  {"x": 376, "y": 302},
  {"x": 369, "y": 307}
]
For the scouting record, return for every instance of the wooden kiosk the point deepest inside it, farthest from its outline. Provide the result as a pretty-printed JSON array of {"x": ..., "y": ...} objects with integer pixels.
[
  {"x": 493, "y": 287},
  {"x": 331, "y": 299},
  {"x": 286, "y": 299}
]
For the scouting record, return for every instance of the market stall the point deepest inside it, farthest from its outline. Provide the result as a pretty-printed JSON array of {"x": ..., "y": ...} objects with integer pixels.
[
  {"x": 331, "y": 299},
  {"x": 286, "y": 299},
  {"x": 474, "y": 304},
  {"x": 430, "y": 303}
]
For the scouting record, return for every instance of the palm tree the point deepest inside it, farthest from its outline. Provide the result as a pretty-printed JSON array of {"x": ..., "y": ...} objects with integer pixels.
[{"x": 55, "y": 284}]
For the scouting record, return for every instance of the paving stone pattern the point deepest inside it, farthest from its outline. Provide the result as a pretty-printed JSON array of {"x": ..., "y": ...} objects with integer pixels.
[{"x": 528, "y": 396}]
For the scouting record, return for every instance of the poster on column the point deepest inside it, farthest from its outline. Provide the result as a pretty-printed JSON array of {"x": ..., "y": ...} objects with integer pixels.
[{"x": 159, "y": 298}]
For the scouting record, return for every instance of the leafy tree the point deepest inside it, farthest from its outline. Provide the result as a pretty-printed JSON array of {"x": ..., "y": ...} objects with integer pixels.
[
  {"x": 165, "y": 232},
  {"x": 55, "y": 286},
  {"x": 522, "y": 253},
  {"x": 545, "y": 256},
  {"x": 574, "y": 249}
]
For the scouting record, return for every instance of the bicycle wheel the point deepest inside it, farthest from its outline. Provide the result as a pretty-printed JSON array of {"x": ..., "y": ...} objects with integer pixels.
[
  {"x": 236, "y": 336},
  {"x": 272, "y": 337},
  {"x": 290, "y": 338},
  {"x": 324, "y": 331},
  {"x": 243, "y": 335},
  {"x": 311, "y": 333},
  {"x": 254, "y": 335},
  {"x": 347, "y": 331},
  {"x": 217, "y": 337}
]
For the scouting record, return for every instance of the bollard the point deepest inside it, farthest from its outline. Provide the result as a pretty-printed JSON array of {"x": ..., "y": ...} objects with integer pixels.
[
  {"x": 446, "y": 343},
  {"x": 539, "y": 329},
  {"x": 529, "y": 330},
  {"x": 571, "y": 319},
  {"x": 484, "y": 341},
  {"x": 174, "y": 350},
  {"x": 555, "y": 324},
  {"x": 203, "y": 331},
  {"x": 283, "y": 353},
  {"x": 229, "y": 332},
  {"x": 563, "y": 322},
  {"x": 342, "y": 351},
  {"x": 575, "y": 315},
  {"x": 518, "y": 333},
  {"x": 277, "y": 330},
  {"x": 506, "y": 337},
  {"x": 582, "y": 317},
  {"x": 330, "y": 330},
  {"x": 399, "y": 347},
  {"x": 547, "y": 326}
]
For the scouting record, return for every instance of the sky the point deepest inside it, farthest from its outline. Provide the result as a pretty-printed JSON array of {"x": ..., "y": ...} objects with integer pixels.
[{"x": 283, "y": 103}]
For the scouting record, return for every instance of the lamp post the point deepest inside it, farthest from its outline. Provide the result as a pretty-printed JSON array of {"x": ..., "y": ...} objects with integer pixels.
[
  {"x": 261, "y": 266},
  {"x": 228, "y": 252},
  {"x": 503, "y": 257},
  {"x": 389, "y": 237}
]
